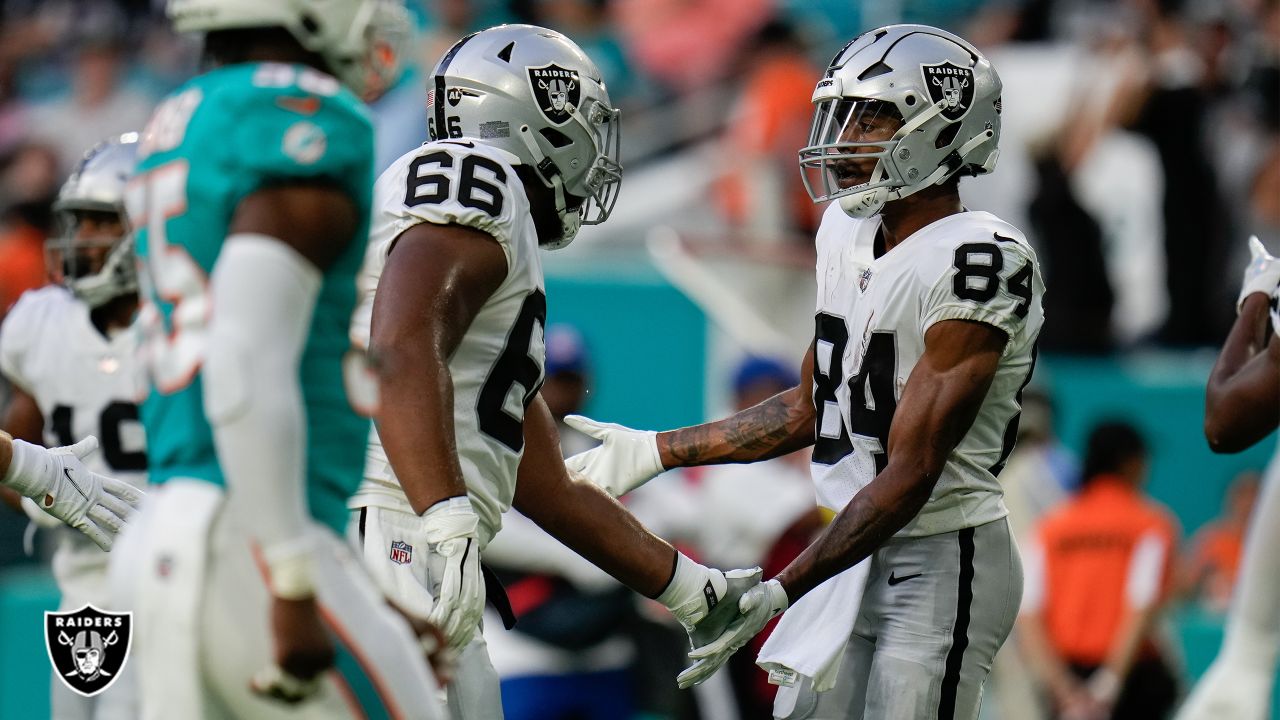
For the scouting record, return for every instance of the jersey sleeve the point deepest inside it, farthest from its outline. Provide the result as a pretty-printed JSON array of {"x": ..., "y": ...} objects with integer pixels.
[
  {"x": 450, "y": 183},
  {"x": 994, "y": 280},
  {"x": 283, "y": 134},
  {"x": 18, "y": 334}
]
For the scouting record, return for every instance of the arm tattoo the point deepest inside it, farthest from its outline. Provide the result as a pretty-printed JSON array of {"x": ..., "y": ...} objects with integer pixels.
[{"x": 774, "y": 427}]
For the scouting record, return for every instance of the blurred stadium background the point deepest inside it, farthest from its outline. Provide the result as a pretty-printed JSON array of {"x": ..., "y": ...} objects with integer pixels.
[{"x": 1141, "y": 147}]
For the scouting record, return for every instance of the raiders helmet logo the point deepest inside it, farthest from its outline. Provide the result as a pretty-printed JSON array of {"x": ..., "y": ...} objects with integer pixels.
[
  {"x": 88, "y": 647},
  {"x": 952, "y": 85},
  {"x": 557, "y": 91}
]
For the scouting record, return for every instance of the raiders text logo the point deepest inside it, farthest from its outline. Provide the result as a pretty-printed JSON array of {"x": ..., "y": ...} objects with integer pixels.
[
  {"x": 952, "y": 85},
  {"x": 558, "y": 91},
  {"x": 88, "y": 647}
]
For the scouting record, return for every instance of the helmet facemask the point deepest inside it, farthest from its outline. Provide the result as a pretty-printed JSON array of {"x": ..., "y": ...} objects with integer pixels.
[
  {"x": 585, "y": 197},
  {"x": 92, "y": 254},
  {"x": 847, "y": 135}
]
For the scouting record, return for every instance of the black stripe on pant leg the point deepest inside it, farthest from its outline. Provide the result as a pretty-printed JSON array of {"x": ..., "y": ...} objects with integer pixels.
[{"x": 960, "y": 633}]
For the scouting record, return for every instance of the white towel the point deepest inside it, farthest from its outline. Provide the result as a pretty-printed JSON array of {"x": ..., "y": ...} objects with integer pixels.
[{"x": 811, "y": 636}]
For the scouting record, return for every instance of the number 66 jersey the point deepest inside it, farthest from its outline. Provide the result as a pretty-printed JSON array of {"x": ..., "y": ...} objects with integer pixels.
[
  {"x": 498, "y": 365},
  {"x": 968, "y": 266}
]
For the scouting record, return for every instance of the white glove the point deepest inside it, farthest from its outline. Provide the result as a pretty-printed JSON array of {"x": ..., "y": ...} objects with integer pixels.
[
  {"x": 38, "y": 516},
  {"x": 63, "y": 487},
  {"x": 625, "y": 460},
  {"x": 450, "y": 529},
  {"x": 1262, "y": 274},
  {"x": 756, "y": 608}
]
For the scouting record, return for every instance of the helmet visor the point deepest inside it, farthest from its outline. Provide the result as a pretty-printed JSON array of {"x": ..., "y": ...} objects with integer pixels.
[{"x": 849, "y": 145}]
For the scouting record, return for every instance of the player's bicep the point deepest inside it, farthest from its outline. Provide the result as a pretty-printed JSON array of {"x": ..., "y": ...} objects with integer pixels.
[
  {"x": 1247, "y": 406},
  {"x": 435, "y": 280},
  {"x": 317, "y": 219},
  {"x": 22, "y": 417},
  {"x": 449, "y": 186},
  {"x": 945, "y": 391}
]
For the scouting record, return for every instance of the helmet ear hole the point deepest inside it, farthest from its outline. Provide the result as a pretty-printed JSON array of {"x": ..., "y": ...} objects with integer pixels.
[
  {"x": 309, "y": 23},
  {"x": 555, "y": 137},
  {"x": 947, "y": 135}
]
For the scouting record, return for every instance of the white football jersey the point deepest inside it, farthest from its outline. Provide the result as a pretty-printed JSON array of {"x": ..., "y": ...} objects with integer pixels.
[
  {"x": 498, "y": 366},
  {"x": 968, "y": 266},
  {"x": 85, "y": 384},
  {"x": 845, "y": 250}
]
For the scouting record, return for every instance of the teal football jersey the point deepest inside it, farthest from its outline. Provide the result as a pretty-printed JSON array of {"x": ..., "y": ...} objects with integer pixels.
[{"x": 216, "y": 140}]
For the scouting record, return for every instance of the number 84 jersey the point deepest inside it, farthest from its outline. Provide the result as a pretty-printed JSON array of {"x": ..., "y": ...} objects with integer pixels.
[
  {"x": 969, "y": 266},
  {"x": 498, "y": 365}
]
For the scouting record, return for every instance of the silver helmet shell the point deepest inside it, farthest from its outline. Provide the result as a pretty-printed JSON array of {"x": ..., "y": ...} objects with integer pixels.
[
  {"x": 97, "y": 185},
  {"x": 946, "y": 93},
  {"x": 534, "y": 93}
]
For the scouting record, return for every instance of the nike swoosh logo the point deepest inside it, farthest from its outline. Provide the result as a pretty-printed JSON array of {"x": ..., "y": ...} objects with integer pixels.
[
  {"x": 74, "y": 484},
  {"x": 895, "y": 580}
]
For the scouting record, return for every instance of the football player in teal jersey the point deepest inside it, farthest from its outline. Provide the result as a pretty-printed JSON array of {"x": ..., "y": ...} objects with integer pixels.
[{"x": 251, "y": 202}]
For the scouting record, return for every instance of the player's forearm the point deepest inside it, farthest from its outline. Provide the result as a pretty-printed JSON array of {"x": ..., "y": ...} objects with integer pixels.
[
  {"x": 1047, "y": 665},
  {"x": 264, "y": 295},
  {"x": 6, "y": 452},
  {"x": 879, "y": 510},
  {"x": 1241, "y": 400},
  {"x": 1124, "y": 648},
  {"x": 780, "y": 425},
  {"x": 594, "y": 525},
  {"x": 415, "y": 423},
  {"x": 582, "y": 516}
]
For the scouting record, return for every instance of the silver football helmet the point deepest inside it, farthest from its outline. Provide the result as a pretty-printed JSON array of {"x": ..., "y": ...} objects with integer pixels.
[
  {"x": 900, "y": 108},
  {"x": 533, "y": 93},
  {"x": 92, "y": 249},
  {"x": 361, "y": 40}
]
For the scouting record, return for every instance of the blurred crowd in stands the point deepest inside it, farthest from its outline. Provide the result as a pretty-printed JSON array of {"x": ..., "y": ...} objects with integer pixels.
[
  {"x": 1141, "y": 147},
  {"x": 1141, "y": 137}
]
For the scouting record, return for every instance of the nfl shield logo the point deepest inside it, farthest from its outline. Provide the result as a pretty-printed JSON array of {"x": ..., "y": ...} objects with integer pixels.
[
  {"x": 864, "y": 280},
  {"x": 88, "y": 647},
  {"x": 952, "y": 85},
  {"x": 401, "y": 552},
  {"x": 558, "y": 91}
]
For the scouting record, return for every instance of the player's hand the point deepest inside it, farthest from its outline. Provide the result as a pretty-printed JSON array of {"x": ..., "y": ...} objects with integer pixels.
[
  {"x": 450, "y": 527},
  {"x": 60, "y": 485},
  {"x": 625, "y": 459},
  {"x": 434, "y": 647},
  {"x": 302, "y": 652},
  {"x": 1262, "y": 274},
  {"x": 755, "y": 609}
]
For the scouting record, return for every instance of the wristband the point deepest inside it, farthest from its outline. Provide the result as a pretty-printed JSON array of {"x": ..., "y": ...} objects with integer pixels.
[
  {"x": 292, "y": 569},
  {"x": 27, "y": 471}
]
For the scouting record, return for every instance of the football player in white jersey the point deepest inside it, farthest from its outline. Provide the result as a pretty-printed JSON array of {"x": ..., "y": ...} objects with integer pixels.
[
  {"x": 525, "y": 151},
  {"x": 940, "y": 323},
  {"x": 69, "y": 351},
  {"x": 1242, "y": 406}
]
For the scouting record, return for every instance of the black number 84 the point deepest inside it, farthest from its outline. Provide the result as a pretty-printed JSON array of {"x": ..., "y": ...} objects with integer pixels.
[{"x": 978, "y": 267}]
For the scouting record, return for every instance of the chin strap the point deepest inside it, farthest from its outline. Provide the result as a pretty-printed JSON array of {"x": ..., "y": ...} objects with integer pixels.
[{"x": 547, "y": 169}]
